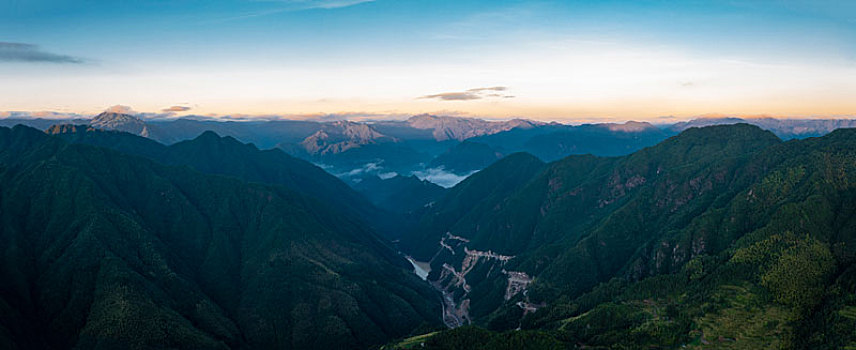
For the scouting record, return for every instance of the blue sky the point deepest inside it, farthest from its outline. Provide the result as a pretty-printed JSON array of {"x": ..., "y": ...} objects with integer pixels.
[{"x": 556, "y": 60}]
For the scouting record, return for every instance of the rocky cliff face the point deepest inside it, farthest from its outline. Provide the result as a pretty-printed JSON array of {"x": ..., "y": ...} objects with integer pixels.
[
  {"x": 59, "y": 129},
  {"x": 457, "y": 271}
]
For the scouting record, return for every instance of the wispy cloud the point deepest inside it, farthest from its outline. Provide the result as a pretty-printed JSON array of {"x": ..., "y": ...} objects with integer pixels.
[
  {"x": 499, "y": 20},
  {"x": 176, "y": 109},
  {"x": 494, "y": 88},
  {"x": 293, "y": 5},
  {"x": 441, "y": 177},
  {"x": 471, "y": 94},
  {"x": 21, "y": 52},
  {"x": 39, "y": 115},
  {"x": 321, "y": 4},
  {"x": 455, "y": 96},
  {"x": 121, "y": 109}
]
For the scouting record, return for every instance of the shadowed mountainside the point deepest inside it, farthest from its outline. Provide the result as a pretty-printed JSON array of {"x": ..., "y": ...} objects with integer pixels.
[
  {"x": 210, "y": 153},
  {"x": 104, "y": 250}
]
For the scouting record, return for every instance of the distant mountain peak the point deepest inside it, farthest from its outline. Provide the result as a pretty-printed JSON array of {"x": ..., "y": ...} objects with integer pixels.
[
  {"x": 460, "y": 128},
  {"x": 630, "y": 126},
  {"x": 120, "y": 122},
  {"x": 107, "y": 118},
  {"x": 209, "y": 139},
  {"x": 340, "y": 136},
  {"x": 208, "y": 136}
]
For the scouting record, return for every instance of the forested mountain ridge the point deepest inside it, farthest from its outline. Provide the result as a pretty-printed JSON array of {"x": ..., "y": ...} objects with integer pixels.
[
  {"x": 104, "y": 250},
  {"x": 213, "y": 154},
  {"x": 721, "y": 236}
]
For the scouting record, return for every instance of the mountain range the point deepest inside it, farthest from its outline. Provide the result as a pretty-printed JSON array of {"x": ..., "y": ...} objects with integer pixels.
[
  {"x": 430, "y": 147},
  {"x": 412, "y": 146},
  {"x": 589, "y": 236}
]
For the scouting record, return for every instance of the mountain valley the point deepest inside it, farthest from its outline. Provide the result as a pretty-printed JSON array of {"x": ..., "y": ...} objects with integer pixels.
[{"x": 716, "y": 236}]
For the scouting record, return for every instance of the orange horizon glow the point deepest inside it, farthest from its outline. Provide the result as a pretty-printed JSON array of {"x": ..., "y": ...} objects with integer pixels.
[{"x": 399, "y": 115}]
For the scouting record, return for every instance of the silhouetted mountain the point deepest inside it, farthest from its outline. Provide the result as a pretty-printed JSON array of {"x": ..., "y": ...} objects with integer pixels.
[
  {"x": 38, "y": 123},
  {"x": 264, "y": 134},
  {"x": 552, "y": 142},
  {"x": 104, "y": 250},
  {"x": 117, "y": 140},
  {"x": 784, "y": 128},
  {"x": 466, "y": 157},
  {"x": 400, "y": 194}
]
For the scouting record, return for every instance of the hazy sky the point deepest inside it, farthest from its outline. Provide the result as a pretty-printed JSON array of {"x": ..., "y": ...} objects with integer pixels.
[{"x": 571, "y": 60}]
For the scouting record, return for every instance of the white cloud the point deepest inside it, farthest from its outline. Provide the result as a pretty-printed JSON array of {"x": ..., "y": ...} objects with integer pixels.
[
  {"x": 176, "y": 109},
  {"x": 369, "y": 168},
  {"x": 441, "y": 177},
  {"x": 471, "y": 94},
  {"x": 389, "y": 175},
  {"x": 39, "y": 115},
  {"x": 120, "y": 109}
]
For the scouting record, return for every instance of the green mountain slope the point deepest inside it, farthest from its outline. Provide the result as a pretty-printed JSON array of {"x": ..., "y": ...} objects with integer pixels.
[
  {"x": 718, "y": 237},
  {"x": 103, "y": 250},
  {"x": 644, "y": 196}
]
